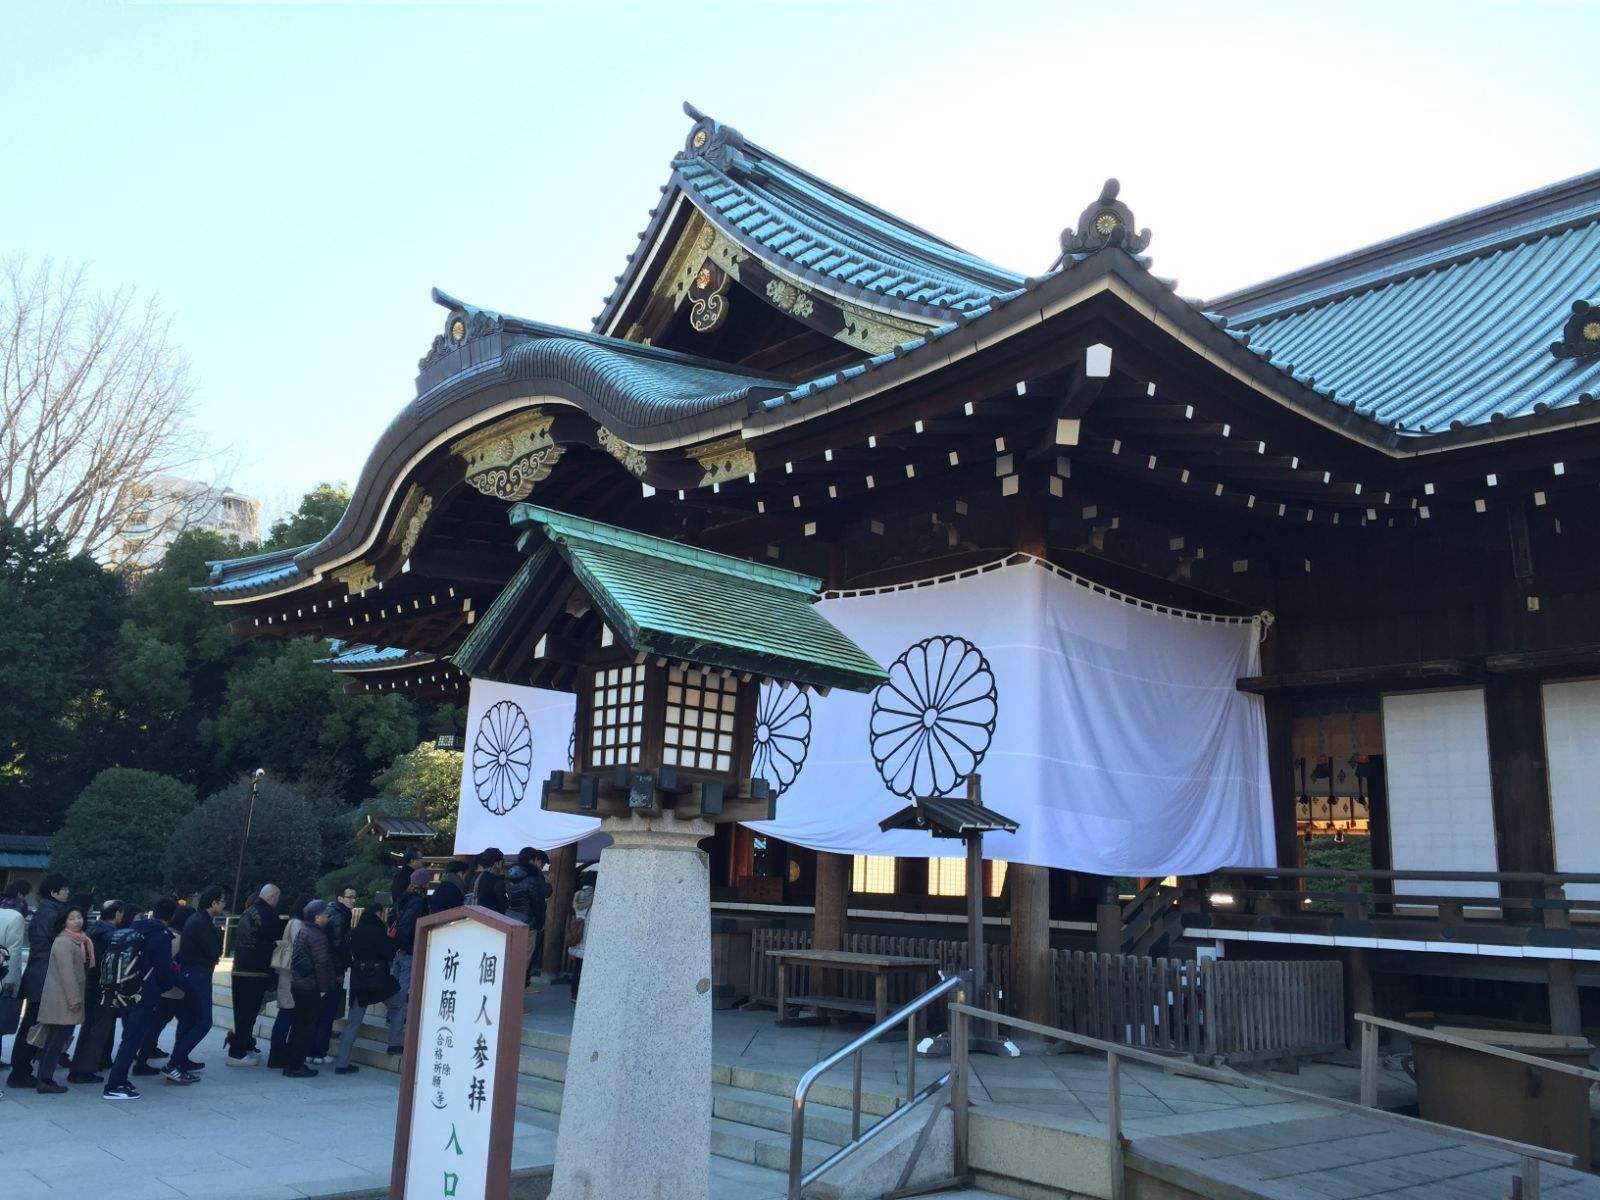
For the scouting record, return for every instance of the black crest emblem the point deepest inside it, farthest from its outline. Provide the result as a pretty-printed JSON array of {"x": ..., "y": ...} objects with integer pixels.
[
  {"x": 783, "y": 735},
  {"x": 502, "y": 758},
  {"x": 933, "y": 719}
]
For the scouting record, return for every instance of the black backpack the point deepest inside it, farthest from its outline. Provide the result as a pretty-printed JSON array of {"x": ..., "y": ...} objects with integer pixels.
[{"x": 122, "y": 970}]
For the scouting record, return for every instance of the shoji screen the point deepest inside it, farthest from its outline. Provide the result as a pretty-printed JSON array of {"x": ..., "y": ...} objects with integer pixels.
[
  {"x": 1572, "y": 745},
  {"x": 1436, "y": 747}
]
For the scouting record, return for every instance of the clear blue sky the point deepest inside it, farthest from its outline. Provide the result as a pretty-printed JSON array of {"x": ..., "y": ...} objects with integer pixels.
[{"x": 291, "y": 179}]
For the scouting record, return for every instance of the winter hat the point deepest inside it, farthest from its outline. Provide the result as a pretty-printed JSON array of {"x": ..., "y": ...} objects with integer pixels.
[
  {"x": 314, "y": 910},
  {"x": 420, "y": 877}
]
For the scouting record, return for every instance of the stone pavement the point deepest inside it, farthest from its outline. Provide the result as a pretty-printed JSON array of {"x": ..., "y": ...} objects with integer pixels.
[{"x": 236, "y": 1135}]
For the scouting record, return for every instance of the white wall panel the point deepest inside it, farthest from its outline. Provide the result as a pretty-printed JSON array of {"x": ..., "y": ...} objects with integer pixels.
[
  {"x": 1441, "y": 816},
  {"x": 1572, "y": 746}
]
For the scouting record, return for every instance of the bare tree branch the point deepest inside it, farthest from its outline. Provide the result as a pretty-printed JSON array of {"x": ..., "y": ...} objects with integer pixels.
[{"x": 94, "y": 407}]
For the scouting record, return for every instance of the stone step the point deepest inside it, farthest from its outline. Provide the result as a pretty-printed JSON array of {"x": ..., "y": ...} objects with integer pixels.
[
  {"x": 543, "y": 1064},
  {"x": 763, "y": 1110},
  {"x": 835, "y": 1095}
]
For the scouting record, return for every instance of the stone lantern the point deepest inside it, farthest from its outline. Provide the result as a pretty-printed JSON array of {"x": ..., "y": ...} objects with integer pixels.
[{"x": 666, "y": 647}]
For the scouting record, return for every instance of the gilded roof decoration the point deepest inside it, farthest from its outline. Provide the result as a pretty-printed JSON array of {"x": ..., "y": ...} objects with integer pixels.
[
  {"x": 357, "y": 577},
  {"x": 629, "y": 456},
  {"x": 462, "y": 324},
  {"x": 724, "y": 459},
  {"x": 411, "y": 519},
  {"x": 507, "y": 459},
  {"x": 709, "y": 299}
]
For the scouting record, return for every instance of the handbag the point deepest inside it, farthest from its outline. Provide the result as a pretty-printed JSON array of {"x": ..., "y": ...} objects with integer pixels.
[
  {"x": 36, "y": 1036},
  {"x": 575, "y": 931}
]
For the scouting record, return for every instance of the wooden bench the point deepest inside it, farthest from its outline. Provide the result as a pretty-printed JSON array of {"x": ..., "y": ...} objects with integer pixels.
[{"x": 879, "y": 966}]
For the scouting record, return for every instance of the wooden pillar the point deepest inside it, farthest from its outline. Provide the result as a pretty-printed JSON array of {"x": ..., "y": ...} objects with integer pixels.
[
  {"x": 1280, "y": 773},
  {"x": 1108, "y": 918},
  {"x": 1360, "y": 996},
  {"x": 830, "y": 924},
  {"x": 1566, "y": 1015},
  {"x": 1029, "y": 995},
  {"x": 1518, "y": 773},
  {"x": 563, "y": 882}
]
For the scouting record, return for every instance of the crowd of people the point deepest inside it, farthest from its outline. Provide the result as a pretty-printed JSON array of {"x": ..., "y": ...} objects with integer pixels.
[{"x": 73, "y": 968}]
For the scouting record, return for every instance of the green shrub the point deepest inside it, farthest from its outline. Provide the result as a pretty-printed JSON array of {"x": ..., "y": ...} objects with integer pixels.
[
  {"x": 285, "y": 845},
  {"x": 113, "y": 841}
]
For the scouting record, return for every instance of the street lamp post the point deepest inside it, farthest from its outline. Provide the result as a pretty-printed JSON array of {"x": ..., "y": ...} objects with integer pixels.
[{"x": 249, "y": 815}]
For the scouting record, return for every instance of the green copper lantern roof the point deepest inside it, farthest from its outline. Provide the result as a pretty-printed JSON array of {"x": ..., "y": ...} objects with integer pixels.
[{"x": 674, "y": 601}]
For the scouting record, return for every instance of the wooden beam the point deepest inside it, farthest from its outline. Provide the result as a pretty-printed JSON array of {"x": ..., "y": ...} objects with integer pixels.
[{"x": 1441, "y": 672}]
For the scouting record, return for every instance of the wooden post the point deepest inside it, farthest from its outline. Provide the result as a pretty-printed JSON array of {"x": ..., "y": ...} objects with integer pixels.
[
  {"x": 564, "y": 885},
  {"x": 1280, "y": 774},
  {"x": 1108, "y": 918},
  {"x": 1566, "y": 1015},
  {"x": 1030, "y": 943},
  {"x": 1119, "y": 1183},
  {"x": 1518, "y": 777},
  {"x": 1359, "y": 997},
  {"x": 1369, "y": 1065},
  {"x": 830, "y": 925}
]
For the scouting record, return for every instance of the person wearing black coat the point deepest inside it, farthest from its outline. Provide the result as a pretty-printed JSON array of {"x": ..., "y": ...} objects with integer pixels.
[
  {"x": 527, "y": 893},
  {"x": 254, "y": 939},
  {"x": 413, "y": 906},
  {"x": 372, "y": 982},
  {"x": 98, "y": 1020},
  {"x": 341, "y": 916},
  {"x": 311, "y": 980},
  {"x": 199, "y": 949},
  {"x": 489, "y": 888},
  {"x": 410, "y": 860},
  {"x": 450, "y": 892},
  {"x": 48, "y": 920}
]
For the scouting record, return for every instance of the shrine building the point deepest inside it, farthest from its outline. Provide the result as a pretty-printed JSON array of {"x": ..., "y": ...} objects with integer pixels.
[{"x": 1387, "y": 464}]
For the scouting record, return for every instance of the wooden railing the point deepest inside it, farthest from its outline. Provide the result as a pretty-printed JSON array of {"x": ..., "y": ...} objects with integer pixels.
[
  {"x": 1227, "y": 1011},
  {"x": 1515, "y": 907}
]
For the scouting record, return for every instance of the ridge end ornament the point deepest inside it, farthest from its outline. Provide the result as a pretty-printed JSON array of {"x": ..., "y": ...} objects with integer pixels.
[
  {"x": 1580, "y": 336},
  {"x": 464, "y": 323},
  {"x": 1106, "y": 222},
  {"x": 720, "y": 145}
]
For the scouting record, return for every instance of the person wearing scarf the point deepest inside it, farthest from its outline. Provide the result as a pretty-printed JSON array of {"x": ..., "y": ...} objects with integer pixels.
[{"x": 61, "y": 1006}]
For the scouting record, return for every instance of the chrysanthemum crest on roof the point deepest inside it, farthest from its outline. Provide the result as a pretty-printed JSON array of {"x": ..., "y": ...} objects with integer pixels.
[
  {"x": 1106, "y": 222},
  {"x": 720, "y": 145}
]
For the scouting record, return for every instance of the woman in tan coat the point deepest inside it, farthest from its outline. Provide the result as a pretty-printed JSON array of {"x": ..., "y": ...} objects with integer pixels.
[{"x": 61, "y": 1006}]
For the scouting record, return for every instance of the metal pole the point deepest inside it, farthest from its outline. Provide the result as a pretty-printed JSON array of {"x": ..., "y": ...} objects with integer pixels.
[
  {"x": 249, "y": 815},
  {"x": 911, "y": 1057},
  {"x": 855, "y": 1100},
  {"x": 975, "y": 914},
  {"x": 958, "y": 1082}
]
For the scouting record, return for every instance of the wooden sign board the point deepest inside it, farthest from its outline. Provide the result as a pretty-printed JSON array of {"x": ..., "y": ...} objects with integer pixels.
[{"x": 458, "y": 1077}]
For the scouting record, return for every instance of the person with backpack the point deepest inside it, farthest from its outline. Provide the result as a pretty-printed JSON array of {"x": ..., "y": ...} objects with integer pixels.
[
  {"x": 311, "y": 980},
  {"x": 341, "y": 919},
  {"x": 283, "y": 1023},
  {"x": 48, "y": 920},
  {"x": 527, "y": 891},
  {"x": 137, "y": 971},
  {"x": 372, "y": 982},
  {"x": 412, "y": 906},
  {"x": 254, "y": 939},
  {"x": 169, "y": 1005},
  {"x": 99, "y": 1020}
]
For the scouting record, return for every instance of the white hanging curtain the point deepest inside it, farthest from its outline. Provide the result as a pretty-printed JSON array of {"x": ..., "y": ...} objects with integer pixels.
[{"x": 1110, "y": 730}]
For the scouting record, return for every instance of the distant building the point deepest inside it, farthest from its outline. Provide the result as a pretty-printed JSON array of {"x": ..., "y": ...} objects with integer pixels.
[{"x": 168, "y": 505}]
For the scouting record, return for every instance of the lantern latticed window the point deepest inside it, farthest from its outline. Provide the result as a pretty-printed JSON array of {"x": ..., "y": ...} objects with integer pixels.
[
  {"x": 701, "y": 719},
  {"x": 616, "y": 736}
]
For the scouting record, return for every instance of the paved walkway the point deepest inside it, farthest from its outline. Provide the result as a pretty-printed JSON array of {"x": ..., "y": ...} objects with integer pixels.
[{"x": 236, "y": 1135}]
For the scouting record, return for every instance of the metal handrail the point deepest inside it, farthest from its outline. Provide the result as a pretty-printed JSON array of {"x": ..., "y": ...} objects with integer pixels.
[
  {"x": 1530, "y": 1155},
  {"x": 799, "y": 1178}
]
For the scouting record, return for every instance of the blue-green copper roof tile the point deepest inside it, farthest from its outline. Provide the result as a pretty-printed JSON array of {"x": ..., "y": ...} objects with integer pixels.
[
  {"x": 663, "y": 597},
  {"x": 1456, "y": 345}
]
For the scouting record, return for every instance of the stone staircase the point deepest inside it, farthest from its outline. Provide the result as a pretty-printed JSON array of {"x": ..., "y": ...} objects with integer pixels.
[{"x": 749, "y": 1114}]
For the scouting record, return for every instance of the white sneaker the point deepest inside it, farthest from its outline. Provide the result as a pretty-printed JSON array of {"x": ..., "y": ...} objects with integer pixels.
[{"x": 249, "y": 1060}]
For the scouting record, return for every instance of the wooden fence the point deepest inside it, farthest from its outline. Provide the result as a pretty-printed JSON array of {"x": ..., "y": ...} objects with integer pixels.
[
  {"x": 1224, "y": 1010},
  {"x": 1270, "y": 1009}
]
